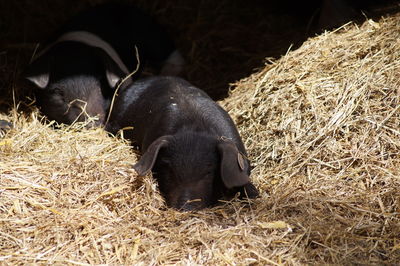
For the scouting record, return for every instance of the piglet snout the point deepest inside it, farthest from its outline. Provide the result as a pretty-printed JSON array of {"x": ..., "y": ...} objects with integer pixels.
[
  {"x": 91, "y": 111},
  {"x": 189, "y": 198},
  {"x": 189, "y": 204}
]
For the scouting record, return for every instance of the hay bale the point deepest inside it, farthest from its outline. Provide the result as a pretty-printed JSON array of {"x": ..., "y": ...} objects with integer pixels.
[{"x": 322, "y": 128}]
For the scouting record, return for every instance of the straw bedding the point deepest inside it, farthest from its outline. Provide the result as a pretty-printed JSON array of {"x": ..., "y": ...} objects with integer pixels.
[{"x": 322, "y": 127}]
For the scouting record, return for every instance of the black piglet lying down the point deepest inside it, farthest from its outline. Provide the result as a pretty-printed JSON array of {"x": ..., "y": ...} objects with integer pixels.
[
  {"x": 76, "y": 72},
  {"x": 187, "y": 140}
]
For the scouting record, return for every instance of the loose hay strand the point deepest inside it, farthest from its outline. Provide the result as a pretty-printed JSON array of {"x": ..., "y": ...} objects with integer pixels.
[{"x": 122, "y": 82}]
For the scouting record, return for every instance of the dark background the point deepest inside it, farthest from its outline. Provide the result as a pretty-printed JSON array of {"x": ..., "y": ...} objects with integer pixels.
[{"x": 222, "y": 41}]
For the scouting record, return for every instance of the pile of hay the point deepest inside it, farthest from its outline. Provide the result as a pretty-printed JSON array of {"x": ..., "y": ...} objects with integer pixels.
[{"x": 322, "y": 126}]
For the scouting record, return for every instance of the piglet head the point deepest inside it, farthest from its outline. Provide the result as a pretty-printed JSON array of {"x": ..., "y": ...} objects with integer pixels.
[
  {"x": 194, "y": 170},
  {"x": 71, "y": 93},
  {"x": 75, "y": 99}
]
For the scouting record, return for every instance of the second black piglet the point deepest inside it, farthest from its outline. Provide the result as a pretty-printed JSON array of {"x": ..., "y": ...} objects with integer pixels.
[
  {"x": 187, "y": 140},
  {"x": 76, "y": 72}
]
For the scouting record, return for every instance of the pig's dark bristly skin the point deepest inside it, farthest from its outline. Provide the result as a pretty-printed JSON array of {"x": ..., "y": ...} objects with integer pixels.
[
  {"x": 76, "y": 73},
  {"x": 78, "y": 86},
  {"x": 188, "y": 141}
]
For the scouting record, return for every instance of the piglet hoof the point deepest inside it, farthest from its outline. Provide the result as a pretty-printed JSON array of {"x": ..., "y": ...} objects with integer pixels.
[
  {"x": 4, "y": 127},
  {"x": 249, "y": 191}
]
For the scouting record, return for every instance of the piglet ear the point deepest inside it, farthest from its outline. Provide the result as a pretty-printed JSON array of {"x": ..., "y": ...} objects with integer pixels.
[
  {"x": 112, "y": 78},
  {"x": 115, "y": 69},
  {"x": 39, "y": 72},
  {"x": 174, "y": 64},
  {"x": 233, "y": 165},
  {"x": 148, "y": 159},
  {"x": 114, "y": 73}
]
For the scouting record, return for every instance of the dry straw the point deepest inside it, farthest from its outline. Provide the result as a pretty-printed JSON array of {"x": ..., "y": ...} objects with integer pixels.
[{"x": 322, "y": 126}]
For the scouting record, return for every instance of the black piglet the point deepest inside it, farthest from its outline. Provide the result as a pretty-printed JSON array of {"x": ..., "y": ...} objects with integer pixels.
[
  {"x": 187, "y": 140},
  {"x": 76, "y": 72}
]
